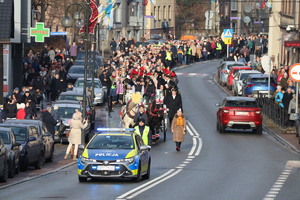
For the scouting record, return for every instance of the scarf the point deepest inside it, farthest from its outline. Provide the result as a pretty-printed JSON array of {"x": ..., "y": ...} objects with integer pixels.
[{"x": 179, "y": 121}]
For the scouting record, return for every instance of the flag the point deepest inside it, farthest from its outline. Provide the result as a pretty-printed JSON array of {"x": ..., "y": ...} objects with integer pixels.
[
  {"x": 145, "y": 3},
  {"x": 263, "y": 4},
  {"x": 153, "y": 1},
  {"x": 93, "y": 18},
  {"x": 269, "y": 3}
]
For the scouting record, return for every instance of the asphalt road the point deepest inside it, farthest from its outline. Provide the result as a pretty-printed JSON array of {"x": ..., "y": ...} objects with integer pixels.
[{"x": 236, "y": 165}]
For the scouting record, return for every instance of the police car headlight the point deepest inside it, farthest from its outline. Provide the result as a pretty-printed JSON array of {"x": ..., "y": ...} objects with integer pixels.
[
  {"x": 129, "y": 160},
  {"x": 84, "y": 160}
]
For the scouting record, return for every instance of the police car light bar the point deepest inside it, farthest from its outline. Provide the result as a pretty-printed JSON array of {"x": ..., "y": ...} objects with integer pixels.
[{"x": 115, "y": 129}]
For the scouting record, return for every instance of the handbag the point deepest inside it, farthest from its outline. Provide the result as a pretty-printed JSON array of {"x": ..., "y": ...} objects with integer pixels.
[{"x": 68, "y": 133}]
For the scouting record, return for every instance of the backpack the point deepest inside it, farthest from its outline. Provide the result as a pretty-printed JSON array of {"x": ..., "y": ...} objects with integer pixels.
[{"x": 212, "y": 45}]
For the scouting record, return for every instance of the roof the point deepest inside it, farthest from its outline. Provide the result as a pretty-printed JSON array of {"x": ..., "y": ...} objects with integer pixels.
[
  {"x": 22, "y": 121},
  {"x": 235, "y": 98},
  {"x": 258, "y": 75},
  {"x": 5, "y": 129},
  {"x": 15, "y": 125},
  {"x": 250, "y": 71},
  {"x": 233, "y": 62},
  {"x": 73, "y": 104},
  {"x": 6, "y": 11},
  {"x": 72, "y": 92}
]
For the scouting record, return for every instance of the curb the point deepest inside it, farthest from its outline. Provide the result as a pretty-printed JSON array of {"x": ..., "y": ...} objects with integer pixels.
[
  {"x": 278, "y": 138},
  {"x": 37, "y": 176}
]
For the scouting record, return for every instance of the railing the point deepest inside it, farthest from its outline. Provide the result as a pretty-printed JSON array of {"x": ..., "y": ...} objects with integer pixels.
[{"x": 272, "y": 110}]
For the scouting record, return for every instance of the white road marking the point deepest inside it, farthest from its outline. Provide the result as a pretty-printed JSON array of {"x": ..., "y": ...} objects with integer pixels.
[
  {"x": 172, "y": 172},
  {"x": 276, "y": 188}
]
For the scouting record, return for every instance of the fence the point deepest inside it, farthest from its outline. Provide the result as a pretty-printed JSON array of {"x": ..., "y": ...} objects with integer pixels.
[{"x": 273, "y": 111}]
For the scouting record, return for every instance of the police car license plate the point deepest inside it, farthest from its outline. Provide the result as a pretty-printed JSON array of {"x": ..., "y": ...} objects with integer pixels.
[{"x": 106, "y": 168}]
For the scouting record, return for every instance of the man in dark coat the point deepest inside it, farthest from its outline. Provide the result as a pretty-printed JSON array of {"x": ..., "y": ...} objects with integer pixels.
[
  {"x": 49, "y": 121},
  {"x": 287, "y": 97},
  {"x": 173, "y": 102},
  {"x": 54, "y": 87},
  {"x": 113, "y": 46}
]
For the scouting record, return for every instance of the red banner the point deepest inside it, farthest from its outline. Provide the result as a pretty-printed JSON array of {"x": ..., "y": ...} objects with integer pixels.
[{"x": 94, "y": 17}]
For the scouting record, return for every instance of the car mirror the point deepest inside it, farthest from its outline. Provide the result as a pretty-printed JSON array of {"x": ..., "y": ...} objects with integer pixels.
[
  {"x": 218, "y": 104},
  {"x": 47, "y": 134},
  {"x": 32, "y": 139},
  {"x": 145, "y": 147},
  {"x": 81, "y": 147}
]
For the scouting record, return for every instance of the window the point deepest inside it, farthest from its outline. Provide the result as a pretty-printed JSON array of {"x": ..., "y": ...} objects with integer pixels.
[
  {"x": 118, "y": 13},
  {"x": 233, "y": 26},
  {"x": 169, "y": 13},
  {"x": 154, "y": 12},
  {"x": 234, "y": 5},
  {"x": 158, "y": 14},
  {"x": 33, "y": 132},
  {"x": 164, "y": 13}
]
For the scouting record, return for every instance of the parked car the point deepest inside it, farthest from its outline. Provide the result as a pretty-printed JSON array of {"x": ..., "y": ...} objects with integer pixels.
[
  {"x": 223, "y": 70},
  {"x": 81, "y": 55},
  {"x": 258, "y": 83},
  {"x": 77, "y": 71},
  {"x": 233, "y": 73},
  {"x": 32, "y": 145},
  {"x": 98, "y": 63},
  {"x": 13, "y": 149},
  {"x": 66, "y": 111},
  {"x": 98, "y": 89},
  {"x": 42, "y": 130},
  {"x": 3, "y": 162},
  {"x": 139, "y": 43},
  {"x": 238, "y": 80},
  {"x": 239, "y": 113},
  {"x": 74, "y": 95}
]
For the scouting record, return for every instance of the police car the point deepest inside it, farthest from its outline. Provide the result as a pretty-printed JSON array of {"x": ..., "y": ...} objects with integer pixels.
[{"x": 114, "y": 152}]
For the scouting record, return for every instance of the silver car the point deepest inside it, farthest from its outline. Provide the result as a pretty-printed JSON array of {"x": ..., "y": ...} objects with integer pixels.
[
  {"x": 224, "y": 69},
  {"x": 99, "y": 90},
  {"x": 237, "y": 84}
]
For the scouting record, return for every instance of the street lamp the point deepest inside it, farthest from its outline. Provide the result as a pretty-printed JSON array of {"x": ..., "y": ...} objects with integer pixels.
[{"x": 67, "y": 22}]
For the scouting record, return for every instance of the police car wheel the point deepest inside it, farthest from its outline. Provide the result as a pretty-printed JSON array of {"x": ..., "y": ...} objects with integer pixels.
[
  {"x": 82, "y": 179},
  {"x": 147, "y": 176},
  {"x": 138, "y": 176}
]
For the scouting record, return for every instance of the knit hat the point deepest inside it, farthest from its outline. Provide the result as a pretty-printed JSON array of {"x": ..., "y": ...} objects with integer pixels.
[{"x": 22, "y": 105}]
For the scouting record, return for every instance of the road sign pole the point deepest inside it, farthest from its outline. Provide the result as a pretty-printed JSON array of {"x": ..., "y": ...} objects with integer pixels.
[{"x": 227, "y": 50}]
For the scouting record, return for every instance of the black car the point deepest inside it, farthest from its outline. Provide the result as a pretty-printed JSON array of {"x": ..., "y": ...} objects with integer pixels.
[
  {"x": 46, "y": 135},
  {"x": 13, "y": 149},
  {"x": 66, "y": 111},
  {"x": 32, "y": 145},
  {"x": 3, "y": 162}
]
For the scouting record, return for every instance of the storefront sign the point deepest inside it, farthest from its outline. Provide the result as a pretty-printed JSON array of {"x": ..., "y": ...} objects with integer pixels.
[{"x": 292, "y": 44}]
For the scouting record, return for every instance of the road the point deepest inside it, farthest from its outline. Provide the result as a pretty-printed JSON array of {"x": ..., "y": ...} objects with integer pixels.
[{"x": 231, "y": 166}]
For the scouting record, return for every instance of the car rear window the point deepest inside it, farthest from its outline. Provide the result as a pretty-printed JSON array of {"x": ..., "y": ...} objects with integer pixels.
[
  {"x": 20, "y": 133},
  {"x": 111, "y": 142},
  {"x": 76, "y": 70},
  {"x": 66, "y": 112},
  {"x": 240, "y": 103},
  {"x": 80, "y": 83},
  {"x": 70, "y": 97},
  {"x": 5, "y": 137},
  {"x": 259, "y": 80}
]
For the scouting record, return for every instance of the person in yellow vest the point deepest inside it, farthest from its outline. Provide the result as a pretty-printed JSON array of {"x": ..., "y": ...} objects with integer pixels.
[
  {"x": 218, "y": 49},
  {"x": 143, "y": 130},
  {"x": 168, "y": 58}
]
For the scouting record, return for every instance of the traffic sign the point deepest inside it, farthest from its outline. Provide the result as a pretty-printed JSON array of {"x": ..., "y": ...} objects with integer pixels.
[
  {"x": 294, "y": 72},
  {"x": 40, "y": 32},
  {"x": 58, "y": 33},
  {"x": 227, "y": 33},
  {"x": 227, "y": 40}
]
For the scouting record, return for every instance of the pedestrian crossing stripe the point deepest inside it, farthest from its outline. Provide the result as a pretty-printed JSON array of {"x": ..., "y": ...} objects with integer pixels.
[{"x": 228, "y": 33}]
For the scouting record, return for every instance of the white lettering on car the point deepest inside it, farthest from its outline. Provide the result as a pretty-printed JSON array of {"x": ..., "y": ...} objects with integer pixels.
[{"x": 106, "y": 154}]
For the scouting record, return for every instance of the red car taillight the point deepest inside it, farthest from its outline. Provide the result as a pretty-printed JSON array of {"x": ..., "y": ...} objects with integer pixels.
[
  {"x": 275, "y": 85},
  {"x": 250, "y": 85}
]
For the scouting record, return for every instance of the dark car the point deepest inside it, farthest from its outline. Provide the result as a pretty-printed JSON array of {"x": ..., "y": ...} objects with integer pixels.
[
  {"x": 3, "y": 162},
  {"x": 66, "y": 111},
  {"x": 13, "y": 151},
  {"x": 239, "y": 113},
  {"x": 32, "y": 145},
  {"x": 47, "y": 138}
]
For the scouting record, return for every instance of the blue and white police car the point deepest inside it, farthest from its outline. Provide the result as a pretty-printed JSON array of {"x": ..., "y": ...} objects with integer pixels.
[{"x": 114, "y": 152}]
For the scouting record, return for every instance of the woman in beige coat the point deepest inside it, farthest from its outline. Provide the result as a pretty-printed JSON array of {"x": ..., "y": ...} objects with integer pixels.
[
  {"x": 178, "y": 129},
  {"x": 74, "y": 138}
]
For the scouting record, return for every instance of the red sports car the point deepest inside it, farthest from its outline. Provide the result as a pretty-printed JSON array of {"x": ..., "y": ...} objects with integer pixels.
[
  {"x": 239, "y": 113},
  {"x": 233, "y": 72}
]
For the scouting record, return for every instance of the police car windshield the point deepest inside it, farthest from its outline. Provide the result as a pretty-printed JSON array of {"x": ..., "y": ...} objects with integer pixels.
[{"x": 111, "y": 142}]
